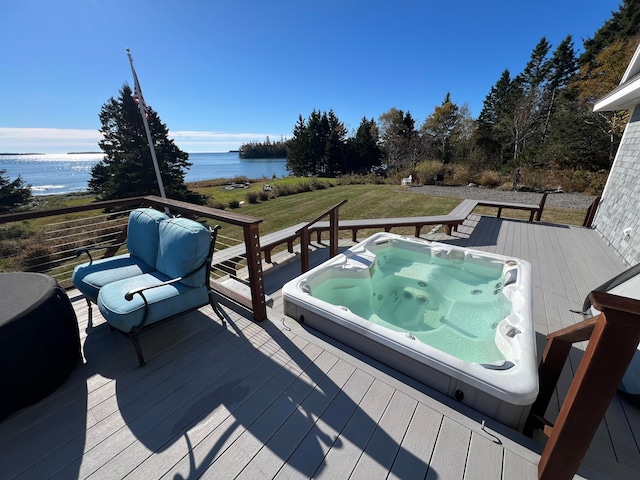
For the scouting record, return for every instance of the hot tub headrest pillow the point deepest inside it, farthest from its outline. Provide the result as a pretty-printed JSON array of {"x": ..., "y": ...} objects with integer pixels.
[{"x": 183, "y": 246}]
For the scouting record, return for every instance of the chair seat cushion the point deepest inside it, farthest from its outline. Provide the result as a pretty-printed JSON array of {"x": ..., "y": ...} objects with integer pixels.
[
  {"x": 164, "y": 301},
  {"x": 90, "y": 277}
]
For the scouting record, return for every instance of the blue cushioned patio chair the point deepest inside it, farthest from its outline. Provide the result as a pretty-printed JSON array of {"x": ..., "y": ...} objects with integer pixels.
[
  {"x": 179, "y": 284},
  {"x": 165, "y": 274}
]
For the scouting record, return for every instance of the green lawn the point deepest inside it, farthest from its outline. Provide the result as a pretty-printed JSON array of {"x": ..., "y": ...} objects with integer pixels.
[{"x": 373, "y": 201}]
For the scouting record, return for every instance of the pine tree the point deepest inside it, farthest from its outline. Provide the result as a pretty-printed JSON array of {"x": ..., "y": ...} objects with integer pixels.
[
  {"x": 562, "y": 69},
  {"x": 490, "y": 136},
  {"x": 400, "y": 139},
  {"x": 13, "y": 194},
  {"x": 439, "y": 127},
  {"x": 364, "y": 147},
  {"x": 127, "y": 169},
  {"x": 525, "y": 121}
]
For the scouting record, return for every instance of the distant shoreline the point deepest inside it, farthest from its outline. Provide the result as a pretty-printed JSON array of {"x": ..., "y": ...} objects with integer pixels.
[{"x": 22, "y": 153}]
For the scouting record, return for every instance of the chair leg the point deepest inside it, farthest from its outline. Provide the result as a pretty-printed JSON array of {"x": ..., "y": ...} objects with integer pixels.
[
  {"x": 89, "y": 314},
  {"x": 214, "y": 305},
  {"x": 136, "y": 344}
]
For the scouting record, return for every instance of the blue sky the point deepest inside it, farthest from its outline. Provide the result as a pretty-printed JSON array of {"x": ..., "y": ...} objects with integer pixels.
[{"x": 224, "y": 72}]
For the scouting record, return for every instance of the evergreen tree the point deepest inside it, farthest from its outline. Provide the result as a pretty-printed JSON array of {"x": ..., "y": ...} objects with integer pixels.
[
  {"x": 298, "y": 149},
  {"x": 400, "y": 139},
  {"x": 562, "y": 70},
  {"x": 525, "y": 120},
  {"x": 318, "y": 145},
  {"x": 364, "y": 148},
  {"x": 13, "y": 194},
  {"x": 127, "y": 169},
  {"x": 490, "y": 136},
  {"x": 335, "y": 147},
  {"x": 439, "y": 128},
  {"x": 623, "y": 24}
]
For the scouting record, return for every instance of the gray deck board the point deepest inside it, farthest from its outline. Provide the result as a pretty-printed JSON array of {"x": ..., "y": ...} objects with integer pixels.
[
  {"x": 448, "y": 461},
  {"x": 276, "y": 400},
  {"x": 384, "y": 445},
  {"x": 343, "y": 456},
  {"x": 418, "y": 443},
  {"x": 485, "y": 459}
]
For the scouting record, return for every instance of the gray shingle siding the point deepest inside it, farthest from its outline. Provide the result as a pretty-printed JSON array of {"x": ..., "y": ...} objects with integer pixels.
[{"x": 620, "y": 206}]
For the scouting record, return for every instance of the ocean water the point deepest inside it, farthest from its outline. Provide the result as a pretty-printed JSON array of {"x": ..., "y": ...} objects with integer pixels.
[{"x": 50, "y": 174}]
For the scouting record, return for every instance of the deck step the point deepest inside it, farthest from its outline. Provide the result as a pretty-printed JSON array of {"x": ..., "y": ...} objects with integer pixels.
[{"x": 242, "y": 289}]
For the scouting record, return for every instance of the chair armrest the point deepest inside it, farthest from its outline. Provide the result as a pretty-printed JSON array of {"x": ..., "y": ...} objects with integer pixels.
[
  {"x": 129, "y": 295},
  {"x": 88, "y": 249}
]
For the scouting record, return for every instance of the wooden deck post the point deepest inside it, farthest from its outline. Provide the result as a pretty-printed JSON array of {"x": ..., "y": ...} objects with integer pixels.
[
  {"x": 254, "y": 267},
  {"x": 540, "y": 208},
  {"x": 613, "y": 342},
  {"x": 555, "y": 355},
  {"x": 305, "y": 239},
  {"x": 333, "y": 233}
]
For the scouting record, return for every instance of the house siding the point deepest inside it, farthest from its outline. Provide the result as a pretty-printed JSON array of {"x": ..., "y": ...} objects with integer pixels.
[{"x": 619, "y": 207}]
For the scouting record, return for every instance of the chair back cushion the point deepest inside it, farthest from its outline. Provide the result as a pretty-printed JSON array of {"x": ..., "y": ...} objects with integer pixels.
[
  {"x": 142, "y": 234},
  {"x": 183, "y": 247}
]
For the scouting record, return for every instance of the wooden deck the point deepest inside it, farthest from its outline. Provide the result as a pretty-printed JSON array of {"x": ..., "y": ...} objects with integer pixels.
[{"x": 275, "y": 400}]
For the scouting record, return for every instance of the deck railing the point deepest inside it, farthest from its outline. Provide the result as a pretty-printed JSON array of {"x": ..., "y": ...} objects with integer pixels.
[
  {"x": 305, "y": 234},
  {"x": 46, "y": 240},
  {"x": 613, "y": 338}
]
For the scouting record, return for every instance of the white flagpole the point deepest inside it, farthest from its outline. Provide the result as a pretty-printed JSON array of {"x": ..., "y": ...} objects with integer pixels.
[{"x": 143, "y": 111}]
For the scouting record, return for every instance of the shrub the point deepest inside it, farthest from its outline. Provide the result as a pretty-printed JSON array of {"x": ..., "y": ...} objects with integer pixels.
[
  {"x": 425, "y": 171},
  {"x": 36, "y": 257},
  {"x": 252, "y": 197},
  {"x": 282, "y": 190},
  {"x": 234, "y": 204},
  {"x": 462, "y": 174},
  {"x": 489, "y": 178},
  {"x": 264, "y": 196}
]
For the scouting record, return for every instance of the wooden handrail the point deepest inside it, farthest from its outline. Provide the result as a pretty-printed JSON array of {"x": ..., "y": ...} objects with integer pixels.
[
  {"x": 322, "y": 215},
  {"x": 305, "y": 237},
  {"x": 613, "y": 339}
]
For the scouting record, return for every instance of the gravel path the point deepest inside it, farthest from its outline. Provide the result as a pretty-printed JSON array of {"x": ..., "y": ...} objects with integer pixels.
[{"x": 577, "y": 201}]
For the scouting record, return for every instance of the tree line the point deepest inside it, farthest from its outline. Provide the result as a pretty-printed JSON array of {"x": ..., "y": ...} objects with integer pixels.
[
  {"x": 267, "y": 149},
  {"x": 540, "y": 117}
]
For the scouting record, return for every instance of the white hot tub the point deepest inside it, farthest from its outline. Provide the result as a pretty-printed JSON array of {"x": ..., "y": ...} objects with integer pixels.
[{"x": 456, "y": 319}]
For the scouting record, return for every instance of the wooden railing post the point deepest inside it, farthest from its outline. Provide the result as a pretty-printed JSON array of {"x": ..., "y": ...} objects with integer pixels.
[
  {"x": 611, "y": 347},
  {"x": 254, "y": 267},
  {"x": 555, "y": 355},
  {"x": 304, "y": 249},
  {"x": 305, "y": 235},
  {"x": 591, "y": 213},
  {"x": 540, "y": 207},
  {"x": 333, "y": 232}
]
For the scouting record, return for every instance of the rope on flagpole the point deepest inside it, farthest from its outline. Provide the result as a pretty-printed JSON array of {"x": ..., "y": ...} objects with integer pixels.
[{"x": 143, "y": 111}]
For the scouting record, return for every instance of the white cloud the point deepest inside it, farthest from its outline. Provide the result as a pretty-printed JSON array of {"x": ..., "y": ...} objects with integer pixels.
[
  {"x": 48, "y": 140},
  {"x": 61, "y": 140}
]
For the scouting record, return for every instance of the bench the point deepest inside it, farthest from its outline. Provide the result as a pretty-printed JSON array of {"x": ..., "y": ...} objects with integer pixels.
[
  {"x": 534, "y": 210},
  {"x": 461, "y": 211},
  {"x": 164, "y": 274},
  {"x": 464, "y": 209},
  {"x": 387, "y": 224}
]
